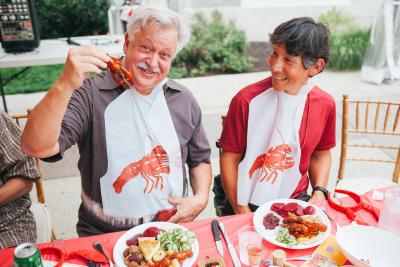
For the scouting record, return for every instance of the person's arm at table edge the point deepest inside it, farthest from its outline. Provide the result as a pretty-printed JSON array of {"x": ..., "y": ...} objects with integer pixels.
[
  {"x": 200, "y": 181},
  {"x": 188, "y": 208},
  {"x": 320, "y": 164},
  {"x": 14, "y": 188},
  {"x": 229, "y": 164}
]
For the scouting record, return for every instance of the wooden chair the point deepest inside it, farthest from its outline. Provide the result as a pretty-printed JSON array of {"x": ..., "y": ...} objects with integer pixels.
[
  {"x": 376, "y": 119},
  {"x": 38, "y": 182}
]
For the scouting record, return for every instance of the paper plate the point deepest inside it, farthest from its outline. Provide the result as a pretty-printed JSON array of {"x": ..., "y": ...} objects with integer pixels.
[
  {"x": 359, "y": 242},
  {"x": 120, "y": 246},
  {"x": 270, "y": 235}
]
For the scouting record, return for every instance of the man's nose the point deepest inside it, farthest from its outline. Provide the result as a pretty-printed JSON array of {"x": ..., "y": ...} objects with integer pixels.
[{"x": 152, "y": 60}]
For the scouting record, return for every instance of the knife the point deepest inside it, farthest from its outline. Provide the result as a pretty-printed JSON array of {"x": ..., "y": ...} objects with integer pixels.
[
  {"x": 217, "y": 238},
  {"x": 231, "y": 248}
]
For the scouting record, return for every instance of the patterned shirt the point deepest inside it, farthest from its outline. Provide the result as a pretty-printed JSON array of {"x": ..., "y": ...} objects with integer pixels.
[
  {"x": 84, "y": 125},
  {"x": 17, "y": 224}
]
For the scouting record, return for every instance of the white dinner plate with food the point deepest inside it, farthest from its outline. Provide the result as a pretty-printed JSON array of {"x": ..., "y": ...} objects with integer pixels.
[
  {"x": 304, "y": 210},
  {"x": 367, "y": 246},
  {"x": 121, "y": 243}
]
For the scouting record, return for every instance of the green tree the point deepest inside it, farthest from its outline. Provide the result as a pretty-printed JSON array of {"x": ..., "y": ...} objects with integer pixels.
[
  {"x": 61, "y": 18},
  {"x": 214, "y": 48}
]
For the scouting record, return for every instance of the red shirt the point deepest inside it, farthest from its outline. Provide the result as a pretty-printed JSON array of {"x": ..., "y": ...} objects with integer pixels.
[{"x": 319, "y": 118}]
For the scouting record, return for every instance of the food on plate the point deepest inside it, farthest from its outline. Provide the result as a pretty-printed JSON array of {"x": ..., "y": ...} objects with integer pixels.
[
  {"x": 176, "y": 239},
  {"x": 298, "y": 224},
  {"x": 151, "y": 232},
  {"x": 133, "y": 240},
  {"x": 159, "y": 248},
  {"x": 287, "y": 209},
  {"x": 148, "y": 246},
  {"x": 303, "y": 227},
  {"x": 270, "y": 221},
  {"x": 285, "y": 237}
]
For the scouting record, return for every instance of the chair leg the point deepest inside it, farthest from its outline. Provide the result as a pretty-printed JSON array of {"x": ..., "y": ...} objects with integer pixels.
[{"x": 53, "y": 235}]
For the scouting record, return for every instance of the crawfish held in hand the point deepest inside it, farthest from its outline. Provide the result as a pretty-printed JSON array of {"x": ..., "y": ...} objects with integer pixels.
[{"x": 120, "y": 74}]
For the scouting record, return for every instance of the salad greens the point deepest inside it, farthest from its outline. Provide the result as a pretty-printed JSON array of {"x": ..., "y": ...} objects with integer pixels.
[
  {"x": 176, "y": 240},
  {"x": 285, "y": 237}
]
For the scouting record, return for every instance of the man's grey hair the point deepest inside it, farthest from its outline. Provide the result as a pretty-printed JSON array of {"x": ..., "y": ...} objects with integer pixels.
[{"x": 161, "y": 17}]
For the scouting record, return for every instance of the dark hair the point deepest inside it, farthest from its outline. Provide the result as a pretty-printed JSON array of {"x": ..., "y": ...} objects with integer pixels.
[{"x": 303, "y": 37}]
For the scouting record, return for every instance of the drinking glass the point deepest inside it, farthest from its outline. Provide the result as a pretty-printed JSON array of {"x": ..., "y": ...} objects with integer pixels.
[
  {"x": 389, "y": 218},
  {"x": 255, "y": 255},
  {"x": 248, "y": 236}
]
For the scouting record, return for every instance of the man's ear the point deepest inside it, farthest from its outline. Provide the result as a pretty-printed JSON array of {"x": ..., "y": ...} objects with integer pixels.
[
  {"x": 317, "y": 68},
  {"x": 126, "y": 43}
]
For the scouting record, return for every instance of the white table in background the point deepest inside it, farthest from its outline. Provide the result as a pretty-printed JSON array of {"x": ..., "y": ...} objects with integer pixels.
[{"x": 54, "y": 51}]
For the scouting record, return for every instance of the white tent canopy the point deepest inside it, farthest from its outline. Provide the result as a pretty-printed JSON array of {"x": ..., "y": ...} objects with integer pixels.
[{"x": 382, "y": 60}]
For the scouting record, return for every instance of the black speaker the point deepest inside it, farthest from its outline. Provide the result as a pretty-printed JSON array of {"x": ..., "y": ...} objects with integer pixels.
[{"x": 18, "y": 26}]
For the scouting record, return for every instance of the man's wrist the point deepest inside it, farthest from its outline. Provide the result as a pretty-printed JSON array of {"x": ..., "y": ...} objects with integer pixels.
[{"x": 320, "y": 189}]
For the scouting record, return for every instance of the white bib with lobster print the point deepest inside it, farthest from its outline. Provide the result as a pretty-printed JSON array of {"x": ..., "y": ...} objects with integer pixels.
[
  {"x": 270, "y": 168},
  {"x": 144, "y": 156}
]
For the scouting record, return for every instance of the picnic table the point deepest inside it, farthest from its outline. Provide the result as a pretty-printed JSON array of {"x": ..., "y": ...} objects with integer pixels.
[{"x": 202, "y": 229}]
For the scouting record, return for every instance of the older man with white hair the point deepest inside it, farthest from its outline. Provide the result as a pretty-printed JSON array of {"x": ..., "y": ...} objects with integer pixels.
[{"x": 134, "y": 136}]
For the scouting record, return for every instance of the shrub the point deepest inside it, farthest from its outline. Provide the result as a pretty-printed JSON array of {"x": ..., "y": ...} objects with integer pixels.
[
  {"x": 60, "y": 18},
  {"x": 348, "y": 42},
  {"x": 214, "y": 48}
]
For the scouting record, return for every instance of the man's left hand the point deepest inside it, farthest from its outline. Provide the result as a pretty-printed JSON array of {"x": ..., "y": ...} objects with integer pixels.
[
  {"x": 318, "y": 196},
  {"x": 187, "y": 208}
]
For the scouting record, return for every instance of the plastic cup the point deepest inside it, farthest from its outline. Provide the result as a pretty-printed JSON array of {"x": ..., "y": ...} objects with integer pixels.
[
  {"x": 255, "y": 255},
  {"x": 248, "y": 237},
  {"x": 389, "y": 218}
]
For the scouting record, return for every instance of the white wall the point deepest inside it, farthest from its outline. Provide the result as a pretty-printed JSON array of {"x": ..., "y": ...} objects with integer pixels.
[{"x": 258, "y": 18}]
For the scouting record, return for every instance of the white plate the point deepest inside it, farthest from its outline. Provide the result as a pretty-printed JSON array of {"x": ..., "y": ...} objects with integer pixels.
[
  {"x": 120, "y": 246},
  {"x": 270, "y": 235},
  {"x": 358, "y": 242}
]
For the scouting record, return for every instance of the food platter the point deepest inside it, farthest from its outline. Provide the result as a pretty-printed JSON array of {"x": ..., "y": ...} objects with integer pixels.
[
  {"x": 121, "y": 245},
  {"x": 271, "y": 235}
]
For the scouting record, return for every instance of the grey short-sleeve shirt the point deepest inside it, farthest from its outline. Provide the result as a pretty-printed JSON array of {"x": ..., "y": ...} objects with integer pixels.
[{"x": 84, "y": 125}]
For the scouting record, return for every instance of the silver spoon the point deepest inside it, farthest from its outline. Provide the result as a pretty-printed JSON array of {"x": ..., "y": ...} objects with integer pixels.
[{"x": 97, "y": 246}]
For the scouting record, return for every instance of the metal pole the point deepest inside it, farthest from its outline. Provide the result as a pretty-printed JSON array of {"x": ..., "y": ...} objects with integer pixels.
[{"x": 3, "y": 95}]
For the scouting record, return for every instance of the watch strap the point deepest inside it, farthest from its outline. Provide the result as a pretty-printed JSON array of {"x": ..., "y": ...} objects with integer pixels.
[{"x": 322, "y": 189}]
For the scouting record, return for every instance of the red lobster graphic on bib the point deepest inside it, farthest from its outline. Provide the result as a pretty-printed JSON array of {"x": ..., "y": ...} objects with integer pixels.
[
  {"x": 150, "y": 167},
  {"x": 276, "y": 159}
]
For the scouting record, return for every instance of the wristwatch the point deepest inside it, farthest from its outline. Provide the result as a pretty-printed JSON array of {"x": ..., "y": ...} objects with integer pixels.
[{"x": 322, "y": 189}]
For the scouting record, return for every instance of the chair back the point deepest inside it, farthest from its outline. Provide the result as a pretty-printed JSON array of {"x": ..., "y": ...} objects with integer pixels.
[
  {"x": 20, "y": 119},
  {"x": 370, "y": 118},
  {"x": 41, "y": 214}
]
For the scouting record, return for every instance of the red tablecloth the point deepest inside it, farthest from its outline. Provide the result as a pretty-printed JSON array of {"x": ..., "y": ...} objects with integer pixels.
[{"x": 204, "y": 235}]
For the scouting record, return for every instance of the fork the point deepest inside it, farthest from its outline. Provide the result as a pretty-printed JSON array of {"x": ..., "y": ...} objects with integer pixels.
[
  {"x": 301, "y": 258},
  {"x": 97, "y": 246}
]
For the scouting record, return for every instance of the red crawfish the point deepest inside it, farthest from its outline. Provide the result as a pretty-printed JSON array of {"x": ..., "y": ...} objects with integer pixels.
[
  {"x": 276, "y": 159},
  {"x": 150, "y": 167},
  {"x": 120, "y": 74}
]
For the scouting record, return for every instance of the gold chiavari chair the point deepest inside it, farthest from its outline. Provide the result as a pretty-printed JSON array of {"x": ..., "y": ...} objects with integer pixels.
[
  {"x": 377, "y": 120},
  {"x": 18, "y": 118}
]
